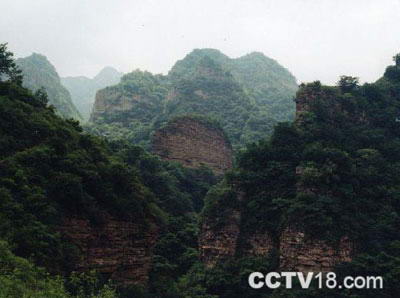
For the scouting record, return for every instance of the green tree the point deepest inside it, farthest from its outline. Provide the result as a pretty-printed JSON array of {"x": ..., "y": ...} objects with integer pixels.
[
  {"x": 347, "y": 83},
  {"x": 396, "y": 59},
  {"x": 8, "y": 68}
]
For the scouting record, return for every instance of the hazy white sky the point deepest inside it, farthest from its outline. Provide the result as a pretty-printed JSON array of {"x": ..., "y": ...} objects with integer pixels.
[{"x": 314, "y": 39}]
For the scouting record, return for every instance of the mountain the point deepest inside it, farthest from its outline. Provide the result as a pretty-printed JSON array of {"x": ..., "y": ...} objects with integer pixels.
[
  {"x": 129, "y": 109},
  {"x": 240, "y": 93},
  {"x": 38, "y": 72},
  {"x": 267, "y": 82},
  {"x": 83, "y": 89},
  {"x": 71, "y": 203},
  {"x": 322, "y": 195}
]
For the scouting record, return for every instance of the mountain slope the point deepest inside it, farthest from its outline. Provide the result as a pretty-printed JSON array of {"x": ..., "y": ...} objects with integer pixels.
[
  {"x": 38, "y": 72},
  {"x": 321, "y": 195},
  {"x": 240, "y": 93},
  {"x": 72, "y": 202},
  {"x": 272, "y": 86}
]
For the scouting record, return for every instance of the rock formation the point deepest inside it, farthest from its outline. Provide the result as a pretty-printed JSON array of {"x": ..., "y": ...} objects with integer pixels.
[
  {"x": 219, "y": 243},
  {"x": 118, "y": 249},
  {"x": 298, "y": 249},
  {"x": 247, "y": 95},
  {"x": 107, "y": 100},
  {"x": 83, "y": 89},
  {"x": 193, "y": 142},
  {"x": 297, "y": 253}
]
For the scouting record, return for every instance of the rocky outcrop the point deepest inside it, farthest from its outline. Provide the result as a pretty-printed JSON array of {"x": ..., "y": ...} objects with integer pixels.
[
  {"x": 111, "y": 101},
  {"x": 259, "y": 244},
  {"x": 219, "y": 243},
  {"x": 299, "y": 253},
  {"x": 83, "y": 90},
  {"x": 193, "y": 142},
  {"x": 298, "y": 250},
  {"x": 121, "y": 250}
]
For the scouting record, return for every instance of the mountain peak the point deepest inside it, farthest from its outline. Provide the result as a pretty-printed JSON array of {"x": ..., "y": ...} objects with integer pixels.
[
  {"x": 107, "y": 72},
  {"x": 39, "y": 72}
]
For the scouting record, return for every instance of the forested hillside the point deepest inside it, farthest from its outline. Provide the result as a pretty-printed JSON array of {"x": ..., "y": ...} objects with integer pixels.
[
  {"x": 84, "y": 216},
  {"x": 270, "y": 85},
  {"x": 247, "y": 96},
  {"x": 52, "y": 173},
  {"x": 83, "y": 89},
  {"x": 331, "y": 177},
  {"x": 39, "y": 73}
]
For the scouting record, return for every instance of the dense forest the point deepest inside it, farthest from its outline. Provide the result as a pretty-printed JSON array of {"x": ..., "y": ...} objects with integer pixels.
[
  {"x": 331, "y": 172},
  {"x": 50, "y": 170}
]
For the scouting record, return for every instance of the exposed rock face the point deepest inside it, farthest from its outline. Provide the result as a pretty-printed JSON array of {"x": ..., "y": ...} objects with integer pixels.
[
  {"x": 311, "y": 94},
  {"x": 259, "y": 244},
  {"x": 121, "y": 250},
  {"x": 225, "y": 240},
  {"x": 107, "y": 100},
  {"x": 194, "y": 142},
  {"x": 297, "y": 253},
  {"x": 219, "y": 243},
  {"x": 297, "y": 250},
  {"x": 83, "y": 89}
]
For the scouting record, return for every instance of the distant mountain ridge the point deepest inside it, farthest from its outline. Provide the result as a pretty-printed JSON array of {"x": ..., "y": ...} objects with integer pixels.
[
  {"x": 247, "y": 95},
  {"x": 38, "y": 72},
  {"x": 83, "y": 89},
  {"x": 267, "y": 82}
]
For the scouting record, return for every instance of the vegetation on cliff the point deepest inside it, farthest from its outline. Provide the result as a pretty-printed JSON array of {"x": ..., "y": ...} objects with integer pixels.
[
  {"x": 83, "y": 89},
  {"x": 39, "y": 73},
  {"x": 332, "y": 173},
  {"x": 131, "y": 109},
  {"x": 246, "y": 95},
  {"x": 50, "y": 170},
  {"x": 270, "y": 85}
]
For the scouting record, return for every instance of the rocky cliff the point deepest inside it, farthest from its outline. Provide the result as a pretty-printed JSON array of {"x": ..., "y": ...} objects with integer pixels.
[
  {"x": 297, "y": 250},
  {"x": 107, "y": 100},
  {"x": 219, "y": 243},
  {"x": 234, "y": 232},
  {"x": 83, "y": 89},
  {"x": 299, "y": 253},
  {"x": 120, "y": 250},
  {"x": 194, "y": 142}
]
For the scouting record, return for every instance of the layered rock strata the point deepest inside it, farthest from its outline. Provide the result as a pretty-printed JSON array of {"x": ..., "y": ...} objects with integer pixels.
[
  {"x": 121, "y": 250},
  {"x": 193, "y": 143}
]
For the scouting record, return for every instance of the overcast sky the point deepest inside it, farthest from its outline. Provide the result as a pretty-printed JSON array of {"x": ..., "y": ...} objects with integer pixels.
[{"x": 314, "y": 39}]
